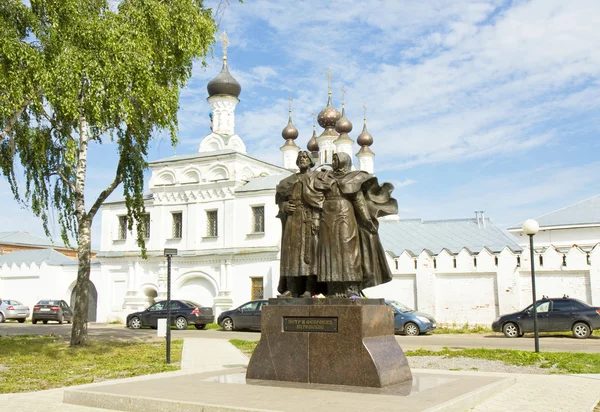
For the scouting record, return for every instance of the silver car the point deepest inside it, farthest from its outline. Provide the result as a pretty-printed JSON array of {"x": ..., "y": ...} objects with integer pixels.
[{"x": 13, "y": 309}]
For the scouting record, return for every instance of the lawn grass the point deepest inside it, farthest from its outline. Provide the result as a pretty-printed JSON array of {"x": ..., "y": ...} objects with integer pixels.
[
  {"x": 563, "y": 362},
  {"x": 116, "y": 321},
  {"x": 208, "y": 326},
  {"x": 31, "y": 363},
  {"x": 482, "y": 329},
  {"x": 246, "y": 346},
  {"x": 461, "y": 329}
]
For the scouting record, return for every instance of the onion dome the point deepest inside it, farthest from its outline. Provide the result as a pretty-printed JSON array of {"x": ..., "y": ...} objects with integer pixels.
[
  {"x": 364, "y": 138},
  {"x": 312, "y": 145},
  {"x": 343, "y": 125},
  {"x": 329, "y": 116},
  {"x": 224, "y": 83},
  {"x": 289, "y": 131}
]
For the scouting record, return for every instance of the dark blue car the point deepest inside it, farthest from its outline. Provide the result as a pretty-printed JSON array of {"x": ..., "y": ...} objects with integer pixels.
[
  {"x": 409, "y": 321},
  {"x": 247, "y": 316}
]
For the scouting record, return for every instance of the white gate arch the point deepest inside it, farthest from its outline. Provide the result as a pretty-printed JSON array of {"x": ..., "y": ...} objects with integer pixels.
[
  {"x": 92, "y": 299},
  {"x": 150, "y": 292},
  {"x": 197, "y": 287}
]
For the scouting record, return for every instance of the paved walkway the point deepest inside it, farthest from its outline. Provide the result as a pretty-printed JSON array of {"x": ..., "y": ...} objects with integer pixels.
[
  {"x": 546, "y": 393},
  {"x": 532, "y": 393}
]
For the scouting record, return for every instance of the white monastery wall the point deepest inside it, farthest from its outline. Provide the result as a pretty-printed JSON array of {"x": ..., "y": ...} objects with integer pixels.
[
  {"x": 402, "y": 288},
  {"x": 32, "y": 283},
  {"x": 562, "y": 237},
  {"x": 484, "y": 285},
  {"x": 479, "y": 288}
]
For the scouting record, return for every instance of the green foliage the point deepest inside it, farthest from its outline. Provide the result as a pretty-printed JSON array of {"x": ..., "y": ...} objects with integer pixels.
[
  {"x": 115, "y": 321},
  {"x": 461, "y": 329},
  {"x": 76, "y": 72},
  {"x": 44, "y": 362}
]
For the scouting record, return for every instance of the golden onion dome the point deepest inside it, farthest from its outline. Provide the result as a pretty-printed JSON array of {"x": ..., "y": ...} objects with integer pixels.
[
  {"x": 312, "y": 145},
  {"x": 343, "y": 125},
  {"x": 329, "y": 116},
  {"x": 289, "y": 131},
  {"x": 364, "y": 138}
]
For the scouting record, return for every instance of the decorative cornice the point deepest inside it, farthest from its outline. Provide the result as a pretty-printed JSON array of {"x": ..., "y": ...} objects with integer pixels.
[{"x": 193, "y": 195}]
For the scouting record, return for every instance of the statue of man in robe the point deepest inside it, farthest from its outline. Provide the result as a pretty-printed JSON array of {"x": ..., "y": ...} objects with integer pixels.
[{"x": 299, "y": 211}]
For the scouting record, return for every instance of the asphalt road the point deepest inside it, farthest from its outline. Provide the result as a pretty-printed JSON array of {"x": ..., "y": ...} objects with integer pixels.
[{"x": 556, "y": 343}]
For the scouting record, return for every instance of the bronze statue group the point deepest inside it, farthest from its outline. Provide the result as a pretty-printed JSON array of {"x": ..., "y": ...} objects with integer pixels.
[{"x": 330, "y": 243}]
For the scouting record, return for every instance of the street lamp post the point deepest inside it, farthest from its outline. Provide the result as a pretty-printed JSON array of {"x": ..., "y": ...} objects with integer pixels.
[
  {"x": 168, "y": 254},
  {"x": 530, "y": 228}
]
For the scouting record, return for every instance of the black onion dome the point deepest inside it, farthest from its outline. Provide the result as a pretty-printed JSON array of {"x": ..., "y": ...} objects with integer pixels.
[
  {"x": 343, "y": 125},
  {"x": 224, "y": 83},
  {"x": 364, "y": 138},
  {"x": 312, "y": 145},
  {"x": 289, "y": 131},
  {"x": 328, "y": 116}
]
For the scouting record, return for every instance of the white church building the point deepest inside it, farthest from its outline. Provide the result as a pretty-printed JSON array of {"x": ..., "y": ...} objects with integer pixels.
[{"x": 217, "y": 208}]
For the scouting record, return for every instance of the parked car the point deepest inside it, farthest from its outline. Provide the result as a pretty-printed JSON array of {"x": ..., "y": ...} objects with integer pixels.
[
  {"x": 247, "y": 316},
  {"x": 409, "y": 321},
  {"x": 554, "y": 315},
  {"x": 13, "y": 309},
  {"x": 183, "y": 313},
  {"x": 52, "y": 309}
]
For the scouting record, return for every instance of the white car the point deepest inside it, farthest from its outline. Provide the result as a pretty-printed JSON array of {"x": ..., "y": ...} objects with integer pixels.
[{"x": 13, "y": 309}]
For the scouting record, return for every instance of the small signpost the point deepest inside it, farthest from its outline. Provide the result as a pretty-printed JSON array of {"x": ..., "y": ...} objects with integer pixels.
[
  {"x": 168, "y": 254},
  {"x": 161, "y": 328}
]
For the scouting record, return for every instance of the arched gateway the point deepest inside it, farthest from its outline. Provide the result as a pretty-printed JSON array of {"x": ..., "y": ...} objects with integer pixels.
[{"x": 93, "y": 301}]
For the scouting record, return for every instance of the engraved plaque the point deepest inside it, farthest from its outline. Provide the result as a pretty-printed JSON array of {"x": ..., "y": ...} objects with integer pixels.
[{"x": 310, "y": 324}]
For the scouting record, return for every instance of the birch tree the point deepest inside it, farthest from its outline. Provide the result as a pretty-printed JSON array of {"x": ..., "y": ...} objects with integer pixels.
[{"x": 75, "y": 74}]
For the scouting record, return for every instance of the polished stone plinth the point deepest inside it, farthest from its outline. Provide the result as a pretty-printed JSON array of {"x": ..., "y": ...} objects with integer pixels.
[{"x": 329, "y": 341}]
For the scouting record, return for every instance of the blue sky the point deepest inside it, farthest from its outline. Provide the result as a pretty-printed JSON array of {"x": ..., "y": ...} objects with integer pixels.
[{"x": 473, "y": 105}]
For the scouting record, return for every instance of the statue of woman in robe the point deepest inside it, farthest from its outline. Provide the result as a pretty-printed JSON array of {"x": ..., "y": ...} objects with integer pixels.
[{"x": 350, "y": 256}]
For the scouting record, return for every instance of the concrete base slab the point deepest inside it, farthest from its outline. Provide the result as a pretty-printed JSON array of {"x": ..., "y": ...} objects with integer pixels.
[{"x": 227, "y": 391}]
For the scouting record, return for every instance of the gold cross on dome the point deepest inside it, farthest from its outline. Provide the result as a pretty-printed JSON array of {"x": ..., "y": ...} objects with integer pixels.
[
  {"x": 365, "y": 108},
  {"x": 291, "y": 101},
  {"x": 343, "y": 94},
  {"x": 224, "y": 42},
  {"x": 329, "y": 79}
]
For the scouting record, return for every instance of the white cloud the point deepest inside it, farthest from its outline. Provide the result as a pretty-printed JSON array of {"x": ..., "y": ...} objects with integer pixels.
[
  {"x": 446, "y": 79},
  {"x": 401, "y": 183},
  {"x": 444, "y": 82}
]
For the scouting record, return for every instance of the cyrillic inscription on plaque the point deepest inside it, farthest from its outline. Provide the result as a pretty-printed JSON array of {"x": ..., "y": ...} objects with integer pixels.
[{"x": 313, "y": 324}]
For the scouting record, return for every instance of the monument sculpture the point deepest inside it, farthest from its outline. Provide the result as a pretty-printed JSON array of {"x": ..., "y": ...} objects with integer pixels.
[
  {"x": 329, "y": 229},
  {"x": 330, "y": 245}
]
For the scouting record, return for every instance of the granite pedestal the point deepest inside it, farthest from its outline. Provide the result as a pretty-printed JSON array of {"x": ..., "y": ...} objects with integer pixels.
[{"x": 329, "y": 341}]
